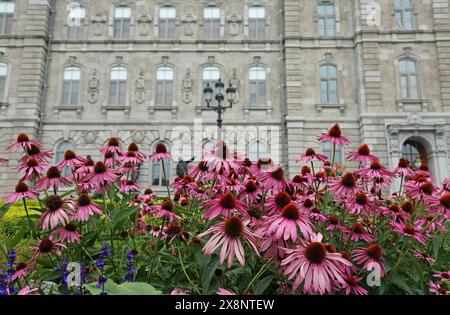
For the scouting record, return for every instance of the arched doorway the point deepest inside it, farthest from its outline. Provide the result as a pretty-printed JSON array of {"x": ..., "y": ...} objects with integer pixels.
[{"x": 415, "y": 152}]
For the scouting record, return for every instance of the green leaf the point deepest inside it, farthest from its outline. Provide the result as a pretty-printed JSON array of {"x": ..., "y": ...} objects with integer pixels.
[
  {"x": 4, "y": 209},
  {"x": 13, "y": 241},
  {"x": 398, "y": 280},
  {"x": 262, "y": 285},
  {"x": 207, "y": 274},
  {"x": 127, "y": 288},
  {"x": 436, "y": 242}
]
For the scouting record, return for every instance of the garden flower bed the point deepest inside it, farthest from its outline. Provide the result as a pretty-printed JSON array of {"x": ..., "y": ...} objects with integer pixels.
[{"x": 231, "y": 226}]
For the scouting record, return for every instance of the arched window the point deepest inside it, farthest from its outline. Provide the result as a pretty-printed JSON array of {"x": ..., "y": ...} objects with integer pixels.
[
  {"x": 211, "y": 23},
  {"x": 327, "y": 149},
  {"x": 167, "y": 22},
  {"x": 118, "y": 86},
  {"x": 3, "y": 78},
  {"x": 210, "y": 75},
  {"x": 61, "y": 148},
  {"x": 157, "y": 171},
  {"x": 258, "y": 89},
  {"x": 409, "y": 78},
  {"x": 77, "y": 19},
  {"x": 258, "y": 150},
  {"x": 403, "y": 14},
  {"x": 122, "y": 22},
  {"x": 415, "y": 153},
  {"x": 328, "y": 84},
  {"x": 71, "y": 86},
  {"x": 326, "y": 19},
  {"x": 164, "y": 86},
  {"x": 7, "y": 9}
]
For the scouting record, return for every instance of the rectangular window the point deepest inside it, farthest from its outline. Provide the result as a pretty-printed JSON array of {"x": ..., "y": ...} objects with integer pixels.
[
  {"x": 164, "y": 86},
  {"x": 326, "y": 19},
  {"x": 3, "y": 76},
  {"x": 257, "y": 22},
  {"x": 158, "y": 174},
  {"x": 77, "y": 19},
  {"x": 167, "y": 22},
  {"x": 122, "y": 22},
  {"x": 71, "y": 82},
  {"x": 6, "y": 17},
  {"x": 403, "y": 14},
  {"x": 258, "y": 89},
  {"x": 118, "y": 87},
  {"x": 211, "y": 23}
]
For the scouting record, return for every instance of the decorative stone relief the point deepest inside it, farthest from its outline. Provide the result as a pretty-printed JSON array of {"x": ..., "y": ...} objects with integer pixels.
[
  {"x": 99, "y": 22},
  {"x": 234, "y": 22},
  {"x": 189, "y": 21},
  {"x": 187, "y": 86},
  {"x": 140, "y": 87},
  {"x": 144, "y": 22},
  {"x": 138, "y": 136},
  {"x": 93, "y": 87},
  {"x": 235, "y": 82},
  {"x": 90, "y": 137}
]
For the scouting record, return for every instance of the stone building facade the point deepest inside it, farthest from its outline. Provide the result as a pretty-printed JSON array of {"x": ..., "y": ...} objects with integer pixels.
[{"x": 73, "y": 74}]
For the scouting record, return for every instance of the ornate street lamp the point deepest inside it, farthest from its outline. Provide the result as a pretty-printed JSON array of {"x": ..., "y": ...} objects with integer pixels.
[{"x": 218, "y": 95}]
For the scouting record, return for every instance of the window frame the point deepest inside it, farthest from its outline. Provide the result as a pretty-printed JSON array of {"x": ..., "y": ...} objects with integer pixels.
[
  {"x": 120, "y": 84},
  {"x": 119, "y": 31},
  {"x": 326, "y": 17},
  {"x": 164, "y": 24},
  {"x": 327, "y": 79},
  {"x": 402, "y": 10},
  {"x": 76, "y": 32},
  {"x": 158, "y": 165},
  {"x": 259, "y": 152},
  {"x": 257, "y": 25},
  {"x": 407, "y": 75},
  {"x": 258, "y": 83},
  {"x": 212, "y": 25},
  {"x": 167, "y": 92},
  {"x": 67, "y": 98},
  {"x": 7, "y": 18}
]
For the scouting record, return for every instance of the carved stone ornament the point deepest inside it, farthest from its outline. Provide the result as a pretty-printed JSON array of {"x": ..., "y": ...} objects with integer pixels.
[
  {"x": 140, "y": 87},
  {"x": 189, "y": 21},
  {"x": 144, "y": 22},
  {"x": 138, "y": 136},
  {"x": 187, "y": 86},
  {"x": 93, "y": 87},
  {"x": 234, "y": 21},
  {"x": 90, "y": 137},
  {"x": 98, "y": 22}
]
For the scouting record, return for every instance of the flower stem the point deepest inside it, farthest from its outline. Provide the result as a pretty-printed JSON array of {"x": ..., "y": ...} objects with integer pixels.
[
  {"x": 30, "y": 223},
  {"x": 165, "y": 179},
  {"x": 187, "y": 276}
]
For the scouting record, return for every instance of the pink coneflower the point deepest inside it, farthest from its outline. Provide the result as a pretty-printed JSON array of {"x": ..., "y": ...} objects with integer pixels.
[
  {"x": 410, "y": 230},
  {"x": 56, "y": 212},
  {"x": 148, "y": 195},
  {"x": 178, "y": 291},
  {"x": 423, "y": 256},
  {"x": 438, "y": 289},
  {"x": 312, "y": 264},
  {"x": 166, "y": 210},
  {"x": 130, "y": 157},
  {"x": 128, "y": 185},
  {"x": 102, "y": 175},
  {"x": 371, "y": 256},
  {"x": 420, "y": 191},
  {"x": 362, "y": 155},
  {"x": 334, "y": 136},
  {"x": 375, "y": 170},
  {"x": 199, "y": 171},
  {"x": 22, "y": 142},
  {"x": 332, "y": 222},
  {"x": 32, "y": 169},
  {"x": 133, "y": 147},
  {"x": 21, "y": 191},
  {"x": 85, "y": 208},
  {"x": 46, "y": 247},
  {"x": 67, "y": 233},
  {"x": 36, "y": 153},
  {"x": 52, "y": 179},
  {"x": 87, "y": 167},
  {"x": 225, "y": 206},
  {"x": 21, "y": 271},
  {"x": 442, "y": 275},
  {"x": 221, "y": 158},
  {"x": 113, "y": 146},
  {"x": 283, "y": 225},
  {"x": 442, "y": 205},
  {"x": 71, "y": 160},
  {"x": 276, "y": 203},
  {"x": 345, "y": 186},
  {"x": 351, "y": 284},
  {"x": 160, "y": 153},
  {"x": 28, "y": 291},
  {"x": 273, "y": 179},
  {"x": 3, "y": 161},
  {"x": 261, "y": 165},
  {"x": 356, "y": 232},
  {"x": 251, "y": 191},
  {"x": 222, "y": 291},
  {"x": 423, "y": 170},
  {"x": 317, "y": 215},
  {"x": 228, "y": 235},
  {"x": 403, "y": 169},
  {"x": 361, "y": 202},
  {"x": 311, "y": 155}
]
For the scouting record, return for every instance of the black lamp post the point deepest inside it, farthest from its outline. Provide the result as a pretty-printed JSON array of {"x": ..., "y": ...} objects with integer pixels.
[{"x": 219, "y": 97}]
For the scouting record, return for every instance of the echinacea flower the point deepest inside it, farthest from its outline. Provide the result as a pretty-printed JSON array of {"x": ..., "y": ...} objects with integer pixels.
[
  {"x": 371, "y": 256},
  {"x": 438, "y": 289},
  {"x": 22, "y": 142},
  {"x": 35, "y": 152},
  {"x": 222, "y": 291},
  {"x": 220, "y": 158},
  {"x": 21, "y": 191},
  {"x": 199, "y": 171},
  {"x": 351, "y": 284},
  {"x": 46, "y": 247},
  {"x": 131, "y": 157},
  {"x": 133, "y": 147},
  {"x": 412, "y": 230},
  {"x": 225, "y": 205},
  {"x": 311, "y": 155},
  {"x": 67, "y": 233},
  {"x": 160, "y": 153},
  {"x": 362, "y": 155},
  {"x": 312, "y": 264},
  {"x": 228, "y": 235},
  {"x": 113, "y": 146},
  {"x": 56, "y": 212},
  {"x": 420, "y": 191},
  {"x": 273, "y": 179},
  {"x": 443, "y": 275},
  {"x": 3, "y": 161},
  {"x": 442, "y": 205},
  {"x": 21, "y": 271},
  {"x": 275, "y": 204},
  {"x": 87, "y": 167},
  {"x": 85, "y": 208},
  {"x": 283, "y": 225},
  {"x": 166, "y": 210},
  {"x": 71, "y": 160},
  {"x": 102, "y": 175},
  {"x": 251, "y": 191},
  {"x": 53, "y": 179},
  {"x": 356, "y": 232},
  {"x": 128, "y": 185},
  {"x": 425, "y": 257},
  {"x": 361, "y": 202},
  {"x": 32, "y": 168},
  {"x": 178, "y": 291},
  {"x": 334, "y": 136},
  {"x": 375, "y": 170},
  {"x": 28, "y": 291},
  {"x": 345, "y": 186},
  {"x": 402, "y": 169}
]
